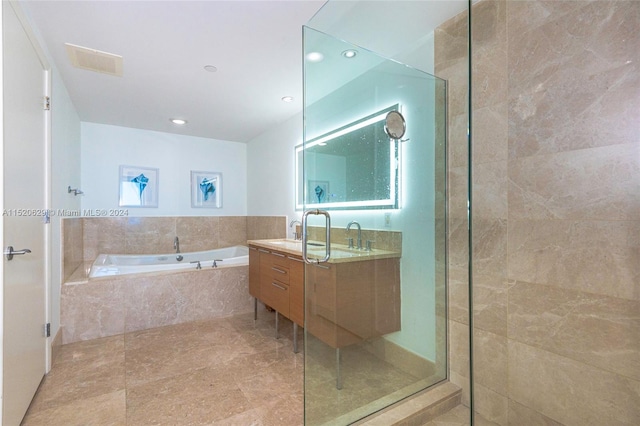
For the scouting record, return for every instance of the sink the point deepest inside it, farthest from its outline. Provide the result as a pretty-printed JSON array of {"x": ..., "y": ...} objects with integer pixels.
[{"x": 282, "y": 242}]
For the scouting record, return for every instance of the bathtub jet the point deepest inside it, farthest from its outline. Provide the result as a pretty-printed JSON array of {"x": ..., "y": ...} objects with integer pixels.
[{"x": 124, "y": 264}]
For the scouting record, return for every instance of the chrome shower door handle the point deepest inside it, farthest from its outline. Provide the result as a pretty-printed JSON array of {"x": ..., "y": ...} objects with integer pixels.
[
  {"x": 9, "y": 252},
  {"x": 305, "y": 236}
]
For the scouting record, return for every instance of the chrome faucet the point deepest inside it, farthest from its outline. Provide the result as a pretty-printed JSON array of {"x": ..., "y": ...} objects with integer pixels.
[
  {"x": 296, "y": 235},
  {"x": 353, "y": 222},
  {"x": 176, "y": 246}
]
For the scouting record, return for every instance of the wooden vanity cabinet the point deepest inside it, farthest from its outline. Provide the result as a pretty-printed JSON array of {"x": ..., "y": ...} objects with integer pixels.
[
  {"x": 353, "y": 301},
  {"x": 274, "y": 281},
  {"x": 277, "y": 279},
  {"x": 296, "y": 290}
]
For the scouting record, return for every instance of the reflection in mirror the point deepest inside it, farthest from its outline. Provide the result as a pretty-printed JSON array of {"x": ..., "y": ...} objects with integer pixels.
[
  {"x": 353, "y": 167},
  {"x": 394, "y": 125}
]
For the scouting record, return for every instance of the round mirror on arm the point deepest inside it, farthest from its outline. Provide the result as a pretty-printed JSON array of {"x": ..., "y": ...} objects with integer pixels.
[{"x": 394, "y": 125}]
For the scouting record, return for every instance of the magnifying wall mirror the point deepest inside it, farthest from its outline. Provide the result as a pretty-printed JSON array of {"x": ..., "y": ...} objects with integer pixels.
[
  {"x": 394, "y": 125},
  {"x": 353, "y": 167}
]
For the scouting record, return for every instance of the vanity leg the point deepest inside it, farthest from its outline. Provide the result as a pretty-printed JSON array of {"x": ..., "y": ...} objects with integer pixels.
[
  {"x": 255, "y": 309},
  {"x": 338, "y": 372},
  {"x": 277, "y": 321},
  {"x": 295, "y": 338}
]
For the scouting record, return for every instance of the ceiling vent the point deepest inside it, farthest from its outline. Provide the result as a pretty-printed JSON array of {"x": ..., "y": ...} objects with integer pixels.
[{"x": 94, "y": 60}]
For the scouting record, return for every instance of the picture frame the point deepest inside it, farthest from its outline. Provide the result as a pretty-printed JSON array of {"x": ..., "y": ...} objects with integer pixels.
[
  {"x": 317, "y": 191},
  {"x": 206, "y": 189},
  {"x": 138, "y": 186}
]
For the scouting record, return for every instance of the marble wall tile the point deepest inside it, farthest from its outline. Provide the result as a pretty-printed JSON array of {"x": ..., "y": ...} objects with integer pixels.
[
  {"x": 492, "y": 407},
  {"x": 451, "y": 42},
  {"x": 490, "y": 134},
  {"x": 216, "y": 293},
  {"x": 490, "y": 303},
  {"x": 103, "y": 235},
  {"x": 598, "y": 330},
  {"x": 153, "y": 301},
  {"x": 521, "y": 415},
  {"x": 459, "y": 348},
  {"x": 151, "y": 235},
  {"x": 570, "y": 392},
  {"x": 198, "y": 233},
  {"x": 489, "y": 75},
  {"x": 594, "y": 256},
  {"x": 89, "y": 311},
  {"x": 233, "y": 231},
  {"x": 490, "y": 185},
  {"x": 589, "y": 184},
  {"x": 490, "y": 246},
  {"x": 458, "y": 300},
  {"x": 490, "y": 356},
  {"x": 457, "y": 141},
  {"x": 549, "y": 62},
  {"x": 267, "y": 227}
]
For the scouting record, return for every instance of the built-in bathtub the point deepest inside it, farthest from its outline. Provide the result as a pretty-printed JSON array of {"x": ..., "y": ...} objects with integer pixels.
[
  {"x": 125, "y": 264},
  {"x": 127, "y": 293}
]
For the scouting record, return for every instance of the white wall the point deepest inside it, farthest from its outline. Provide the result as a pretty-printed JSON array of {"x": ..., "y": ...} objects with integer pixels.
[
  {"x": 105, "y": 148},
  {"x": 271, "y": 170}
]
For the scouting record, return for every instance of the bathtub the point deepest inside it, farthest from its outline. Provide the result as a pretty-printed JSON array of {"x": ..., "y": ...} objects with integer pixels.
[{"x": 123, "y": 264}]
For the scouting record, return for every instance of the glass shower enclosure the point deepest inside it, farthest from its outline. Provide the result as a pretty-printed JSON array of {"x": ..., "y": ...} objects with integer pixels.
[{"x": 371, "y": 181}]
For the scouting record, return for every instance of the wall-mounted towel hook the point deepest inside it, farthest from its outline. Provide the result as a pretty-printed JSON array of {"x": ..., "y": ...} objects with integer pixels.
[{"x": 75, "y": 191}]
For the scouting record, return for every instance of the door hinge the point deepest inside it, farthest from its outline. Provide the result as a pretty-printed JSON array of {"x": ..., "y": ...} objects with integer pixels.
[
  {"x": 47, "y": 330},
  {"x": 47, "y": 103}
]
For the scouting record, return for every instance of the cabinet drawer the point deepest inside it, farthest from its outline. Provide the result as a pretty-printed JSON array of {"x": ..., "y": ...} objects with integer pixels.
[
  {"x": 274, "y": 266},
  {"x": 276, "y": 295}
]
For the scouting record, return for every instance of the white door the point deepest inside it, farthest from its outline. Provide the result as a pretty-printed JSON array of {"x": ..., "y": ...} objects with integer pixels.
[{"x": 24, "y": 343}]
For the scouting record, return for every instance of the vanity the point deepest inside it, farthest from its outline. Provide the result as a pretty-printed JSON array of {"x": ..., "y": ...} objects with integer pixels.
[{"x": 352, "y": 297}]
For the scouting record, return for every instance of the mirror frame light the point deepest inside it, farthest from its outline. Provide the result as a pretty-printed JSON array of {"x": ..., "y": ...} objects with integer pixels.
[{"x": 395, "y": 164}]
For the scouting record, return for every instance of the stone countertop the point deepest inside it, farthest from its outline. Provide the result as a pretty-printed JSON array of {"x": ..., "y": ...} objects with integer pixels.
[{"x": 340, "y": 253}]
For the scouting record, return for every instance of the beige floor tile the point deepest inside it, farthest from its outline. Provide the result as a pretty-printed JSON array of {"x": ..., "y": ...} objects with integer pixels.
[{"x": 102, "y": 410}]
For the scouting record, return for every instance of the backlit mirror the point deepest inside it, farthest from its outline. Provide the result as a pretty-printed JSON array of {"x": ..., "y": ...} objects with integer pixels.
[{"x": 353, "y": 167}]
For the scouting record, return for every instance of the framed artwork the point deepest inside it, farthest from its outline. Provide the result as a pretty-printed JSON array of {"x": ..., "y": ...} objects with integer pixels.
[
  {"x": 317, "y": 191},
  {"x": 206, "y": 189},
  {"x": 138, "y": 187}
]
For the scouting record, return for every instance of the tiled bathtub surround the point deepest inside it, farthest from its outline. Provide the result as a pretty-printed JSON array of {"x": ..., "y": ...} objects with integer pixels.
[
  {"x": 556, "y": 220},
  {"x": 108, "y": 306}
]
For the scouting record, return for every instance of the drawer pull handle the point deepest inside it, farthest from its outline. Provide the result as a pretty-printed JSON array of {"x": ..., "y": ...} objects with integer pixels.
[
  {"x": 277, "y": 254},
  {"x": 263, "y": 251},
  {"x": 323, "y": 267},
  {"x": 278, "y": 270},
  {"x": 279, "y": 286},
  {"x": 296, "y": 259}
]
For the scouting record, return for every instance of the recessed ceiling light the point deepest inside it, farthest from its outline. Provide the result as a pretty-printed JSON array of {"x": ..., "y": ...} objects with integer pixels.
[
  {"x": 322, "y": 144},
  {"x": 350, "y": 53},
  {"x": 210, "y": 68},
  {"x": 287, "y": 99},
  {"x": 178, "y": 121},
  {"x": 315, "y": 56}
]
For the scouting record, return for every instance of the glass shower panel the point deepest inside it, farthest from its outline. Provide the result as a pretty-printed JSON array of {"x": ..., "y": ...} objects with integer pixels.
[{"x": 375, "y": 313}]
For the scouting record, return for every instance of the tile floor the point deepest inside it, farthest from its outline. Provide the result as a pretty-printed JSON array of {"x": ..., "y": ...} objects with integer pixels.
[{"x": 229, "y": 371}]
